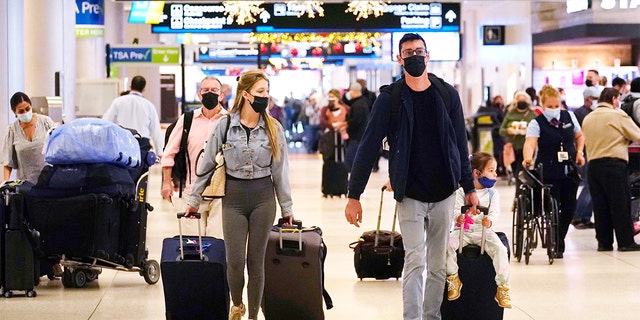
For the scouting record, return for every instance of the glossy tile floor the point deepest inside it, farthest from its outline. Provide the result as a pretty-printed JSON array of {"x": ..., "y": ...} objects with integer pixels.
[{"x": 584, "y": 285}]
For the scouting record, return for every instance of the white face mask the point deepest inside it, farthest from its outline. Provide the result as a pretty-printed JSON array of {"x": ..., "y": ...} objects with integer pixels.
[
  {"x": 552, "y": 113},
  {"x": 25, "y": 117}
]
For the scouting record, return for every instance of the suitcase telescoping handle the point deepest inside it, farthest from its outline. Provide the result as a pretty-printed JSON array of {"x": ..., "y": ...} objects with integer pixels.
[
  {"x": 393, "y": 227},
  {"x": 484, "y": 211},
  {"x": 196, "y": 215}
]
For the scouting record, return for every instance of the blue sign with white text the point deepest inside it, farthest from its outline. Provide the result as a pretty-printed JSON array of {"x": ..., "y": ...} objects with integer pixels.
[
  {"x": 130, "y": 55},
  {"x": 90, "y": 12}
]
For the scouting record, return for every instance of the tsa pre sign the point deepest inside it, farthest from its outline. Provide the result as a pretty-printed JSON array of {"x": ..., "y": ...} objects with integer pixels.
[
  {"x": 165, "y": 55},
  {"x": 131, "y": 55}
]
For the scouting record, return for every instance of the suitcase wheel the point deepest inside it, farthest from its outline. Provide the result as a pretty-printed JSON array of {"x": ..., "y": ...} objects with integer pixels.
[
  {"x": 77, "y": 278},
  {"x": 31, "y": 293},
  {"x": 7, "y": 294},
  {"x": 151, "y": 272}
]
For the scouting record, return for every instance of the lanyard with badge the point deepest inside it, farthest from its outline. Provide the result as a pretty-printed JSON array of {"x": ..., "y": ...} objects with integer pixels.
[{"x": 562, "y": 154}]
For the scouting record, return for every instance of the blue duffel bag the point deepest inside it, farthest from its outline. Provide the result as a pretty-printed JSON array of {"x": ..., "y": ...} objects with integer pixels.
[{"x": 92, "y": 140}]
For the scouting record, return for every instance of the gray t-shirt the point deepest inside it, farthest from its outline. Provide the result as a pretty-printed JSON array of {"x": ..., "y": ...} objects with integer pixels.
[{"x": 27, "y": 157}]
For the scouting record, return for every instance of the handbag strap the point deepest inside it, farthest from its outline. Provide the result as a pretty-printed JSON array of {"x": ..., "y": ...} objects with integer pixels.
[{"x": 224, "y": 140}]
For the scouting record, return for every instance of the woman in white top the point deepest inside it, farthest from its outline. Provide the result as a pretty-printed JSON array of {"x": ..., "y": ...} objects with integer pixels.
[{"x": 24, "y": 141}]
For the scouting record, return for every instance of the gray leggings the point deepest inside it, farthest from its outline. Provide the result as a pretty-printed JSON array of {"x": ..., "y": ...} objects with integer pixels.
[{"x": 248, "y": 209}]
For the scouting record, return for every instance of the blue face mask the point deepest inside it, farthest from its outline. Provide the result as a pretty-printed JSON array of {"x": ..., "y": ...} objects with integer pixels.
[{"x": 486, "y": 182}]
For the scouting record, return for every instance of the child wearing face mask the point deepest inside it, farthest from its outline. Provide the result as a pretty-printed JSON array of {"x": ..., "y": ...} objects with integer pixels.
[{"x": 471, "y": 224}]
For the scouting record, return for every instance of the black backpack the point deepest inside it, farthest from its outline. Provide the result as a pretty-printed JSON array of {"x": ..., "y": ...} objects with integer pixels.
[
  {"x": 182, "y": 162},
  {"x": 627, "y": 106}
]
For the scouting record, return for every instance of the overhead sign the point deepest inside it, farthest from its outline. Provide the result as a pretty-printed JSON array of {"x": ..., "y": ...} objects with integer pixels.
[
  {"x": 283, "y": 17},
  {"x": 155, "y": 55},
  {"x": 197, "y": 17},
  {"x": 89, "y": 18},
  {"x": 90, "y": 12},
  {"x": 397, "y": 16}
]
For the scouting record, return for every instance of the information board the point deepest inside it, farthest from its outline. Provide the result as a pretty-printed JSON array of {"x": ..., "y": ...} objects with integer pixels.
[{"x": 283, "y": 17}]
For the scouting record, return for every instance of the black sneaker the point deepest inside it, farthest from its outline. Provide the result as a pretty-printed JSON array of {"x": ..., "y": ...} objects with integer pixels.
[
  {"x": 605, "y": 248},
  {"x": 632, "y": 247},
  {"x": 578, "y": 225}
]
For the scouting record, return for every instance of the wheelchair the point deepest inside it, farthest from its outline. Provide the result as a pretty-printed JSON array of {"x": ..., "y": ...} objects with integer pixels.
[{"x": 535, "y": 216}]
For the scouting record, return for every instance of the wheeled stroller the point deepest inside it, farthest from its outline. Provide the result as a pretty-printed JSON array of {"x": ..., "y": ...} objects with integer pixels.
[{"x": 535, "y": 216}]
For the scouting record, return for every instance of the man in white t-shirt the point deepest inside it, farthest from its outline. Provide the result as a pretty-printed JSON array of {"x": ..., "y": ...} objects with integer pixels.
[{"x": 133, "y": 111}]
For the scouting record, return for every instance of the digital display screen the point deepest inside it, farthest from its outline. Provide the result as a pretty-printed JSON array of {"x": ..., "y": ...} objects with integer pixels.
[
  {"x": 287, "y": 17},
  {"x": 149, "y": 12},
  {"x": 442, "y": 46}
]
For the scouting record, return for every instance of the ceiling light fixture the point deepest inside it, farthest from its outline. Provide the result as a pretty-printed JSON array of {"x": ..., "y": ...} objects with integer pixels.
[
  {"x": 363, "y": 9},
  {"x": 242, "y": 11}
]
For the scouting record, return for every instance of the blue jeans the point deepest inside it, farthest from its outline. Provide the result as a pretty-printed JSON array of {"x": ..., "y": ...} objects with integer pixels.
[
  {"x": 584, "y": 204},
  {"x": 425, "y": 234}
]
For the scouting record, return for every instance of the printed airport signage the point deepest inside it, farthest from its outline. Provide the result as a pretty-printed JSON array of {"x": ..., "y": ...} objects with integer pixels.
[
  {"x": 149, "y": 55},
  {"x": 283, "y": 17},
  {"x": 89, "y": 18},
  {"x": 90, "y": 12}
]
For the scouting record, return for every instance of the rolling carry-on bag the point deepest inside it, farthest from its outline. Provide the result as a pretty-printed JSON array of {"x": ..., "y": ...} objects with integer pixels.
[
  {"x": 294, "y": 275},
  {"x": 194, "y": 277},
  {"x": 334, "y": 173},
  {"x": 379, "y": 253},
  {"x": 19, "y": 264},
  {"x": 477, "y": 274}
]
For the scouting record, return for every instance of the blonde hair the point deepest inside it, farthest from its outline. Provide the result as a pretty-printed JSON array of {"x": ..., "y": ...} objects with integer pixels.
[
  {"x": 247, "y": 80},
  {"x": 548, "y": 92},
  {"x": 335, "y": 92}
]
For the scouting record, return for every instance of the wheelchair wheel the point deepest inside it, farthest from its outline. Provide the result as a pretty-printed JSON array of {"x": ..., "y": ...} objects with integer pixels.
[
  {"x": 519, "y": 212},
  {"x": 527, "y": 249},
  {"x": 551, "y": 226}
]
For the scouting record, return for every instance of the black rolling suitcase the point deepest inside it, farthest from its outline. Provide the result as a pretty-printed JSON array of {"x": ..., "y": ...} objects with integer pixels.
[
  {"x": 81, "y": 226},
  {"x": 78, "y": 209},
  {"x": 477, "y": 274},
  {"x": 379, "y": 253},
  {"x": 334, "y": 173},
  {"x": 19, "y": 264},
  {"x": 194, "y": 277},
  {"x": 294, "y": 274}
]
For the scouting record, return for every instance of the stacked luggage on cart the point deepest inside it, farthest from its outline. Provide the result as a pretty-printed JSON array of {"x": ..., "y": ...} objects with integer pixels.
[{"x": 89, "y": 203}]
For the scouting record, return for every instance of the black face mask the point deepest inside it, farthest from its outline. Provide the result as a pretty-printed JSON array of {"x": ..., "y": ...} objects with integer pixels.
[
  {"x": 210, "y": 100},
  {"x": 259, "y": 104},
  {"x": 589, "y": 83},
  {"x": 415, "y": 65},
  {"x": 521, "y": 105}
]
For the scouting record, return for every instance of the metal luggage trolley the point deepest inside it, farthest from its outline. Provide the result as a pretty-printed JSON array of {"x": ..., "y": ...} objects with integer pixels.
[{"x": 535, "y": 216}]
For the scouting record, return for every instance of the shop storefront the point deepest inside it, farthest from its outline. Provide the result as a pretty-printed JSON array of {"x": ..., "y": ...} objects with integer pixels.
[{"x": 573, "y": 37}]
